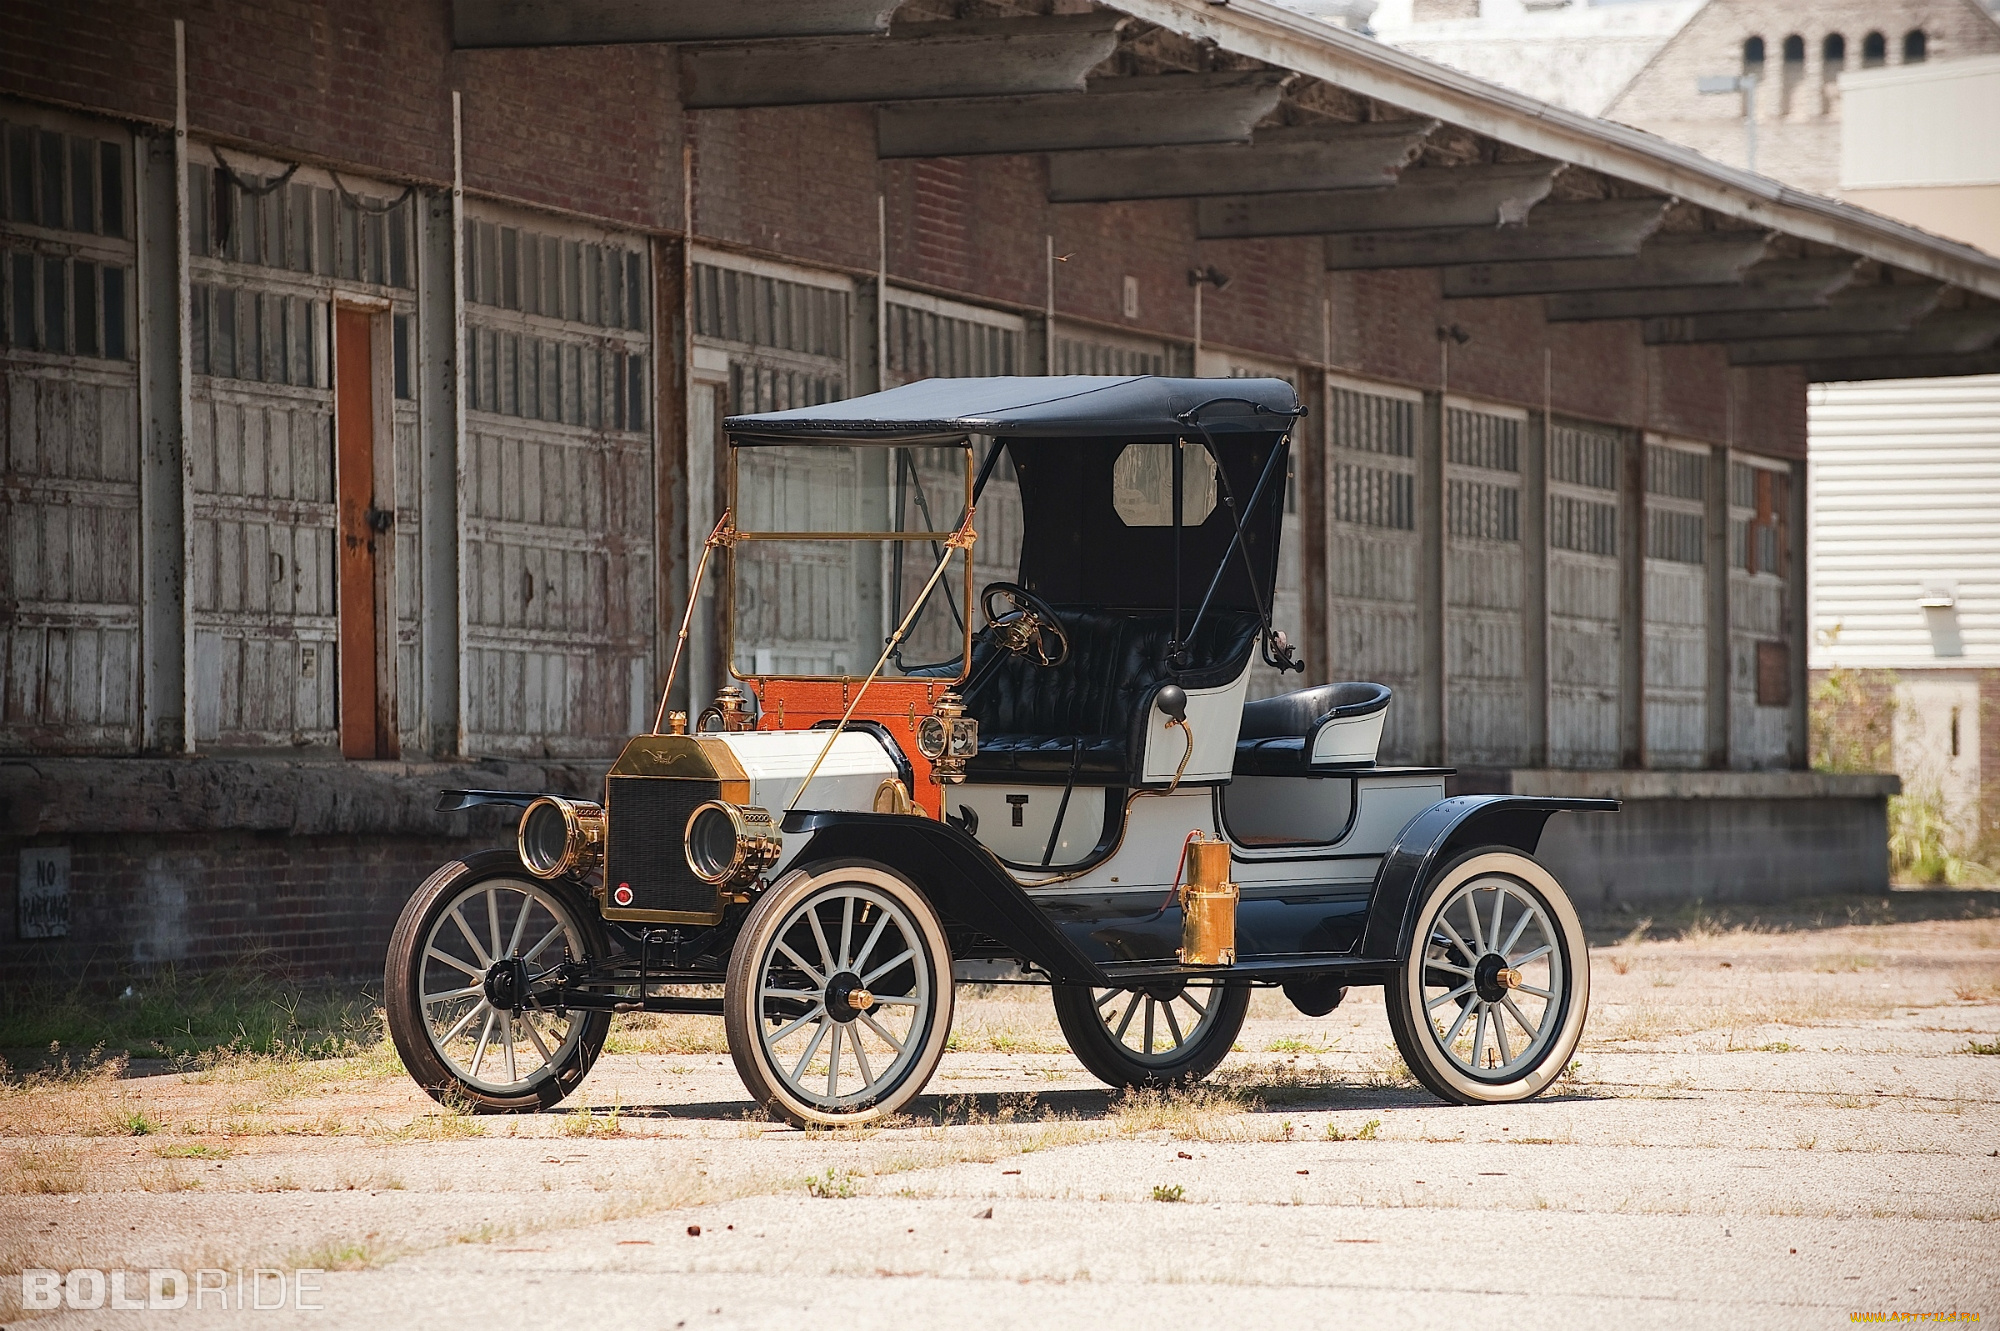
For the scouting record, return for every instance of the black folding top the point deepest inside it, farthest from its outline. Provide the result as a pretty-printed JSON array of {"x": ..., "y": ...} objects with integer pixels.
[{"x": 1057, "y": 406}]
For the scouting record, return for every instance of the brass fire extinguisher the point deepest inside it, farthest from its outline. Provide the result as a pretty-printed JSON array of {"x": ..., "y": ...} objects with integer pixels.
[{"x": 1208, "y": 905}]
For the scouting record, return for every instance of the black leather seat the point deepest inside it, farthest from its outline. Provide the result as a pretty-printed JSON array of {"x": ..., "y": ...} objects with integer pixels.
[
  {"x": 1092, "y": 709},
  {"x": 1276, "y": 738}
]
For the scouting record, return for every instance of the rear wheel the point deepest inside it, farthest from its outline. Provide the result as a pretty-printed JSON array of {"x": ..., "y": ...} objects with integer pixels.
[
  {"x": 838, "y": 1000},
  {"x": 471, "y": 947},
  {"x": 1169, "y": 1033},
  {"x": 1490, "y": 1004}
]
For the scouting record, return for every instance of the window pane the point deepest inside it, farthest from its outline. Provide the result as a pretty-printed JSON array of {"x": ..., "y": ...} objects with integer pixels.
[
  {"x": 510, "y": 269},
  {"x": 21, "y": 282},
  {"x": 82, "y": 182},
  {"x": 111, "y": 187},
  {"x": 52, "y": 180},
  {"x": 399, "y": 245},
  {"x": 635, "y": 383},
  {"x": 323, "y": 232},
  {"x": 114, "y": 313},
  {"x": 376, "y": 247},
  {"x": 635, "y": 305},
  {"x": 55, "y": 322},
  {"x": 198, "y": 300},
  {"x": 85, "y": 277},
  {"x": 20, "y": 174},
  {"x": 400, "y": 331},
  {"x": 222, "y": 335}
]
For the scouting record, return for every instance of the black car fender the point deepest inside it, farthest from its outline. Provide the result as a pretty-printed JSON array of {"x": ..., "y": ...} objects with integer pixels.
[
  {"x": 1433, "y": 838},
  {"x": 957, "y": 874}
]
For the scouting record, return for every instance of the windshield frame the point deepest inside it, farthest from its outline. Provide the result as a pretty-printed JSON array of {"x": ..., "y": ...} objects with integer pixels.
[{"x": 965, "y": 443}]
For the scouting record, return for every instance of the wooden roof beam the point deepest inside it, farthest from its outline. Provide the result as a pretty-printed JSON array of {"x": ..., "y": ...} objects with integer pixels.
[
  {"x": 1864, "y": 309},
  {"x": 921, "y": 60},
  {"x": 1902, "y": 367},
  {"x": 1775, "y": 284},
  {"x": 1149, "y": 111},
  {"x": 1318, "y": 157},
  {"x": 1597, "y": 228},
  {"x": 1701, "y": 258},
  {"x": 477, "y": 23},
  {"x": 1955, "y": 333},
  {"x": 1423, "y": 197}
]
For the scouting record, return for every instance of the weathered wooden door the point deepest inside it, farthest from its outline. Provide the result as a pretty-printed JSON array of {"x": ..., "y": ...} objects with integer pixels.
[{"x": 364, "y": 732}]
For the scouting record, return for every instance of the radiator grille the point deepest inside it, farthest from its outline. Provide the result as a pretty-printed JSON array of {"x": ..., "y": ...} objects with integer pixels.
[{"x": 647, "y": 816}]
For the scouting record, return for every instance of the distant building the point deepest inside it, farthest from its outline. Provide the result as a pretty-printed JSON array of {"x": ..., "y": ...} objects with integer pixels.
[
  {"x": 1904, "y": 526},
  {"x": 1798, "y": 55}
]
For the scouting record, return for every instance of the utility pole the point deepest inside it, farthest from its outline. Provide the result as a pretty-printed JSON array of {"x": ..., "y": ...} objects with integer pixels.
[{"x": 1747, "y": 85}]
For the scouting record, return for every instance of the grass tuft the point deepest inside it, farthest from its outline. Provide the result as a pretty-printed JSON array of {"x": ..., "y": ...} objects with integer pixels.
[{"x": 1169, "y": 1192}]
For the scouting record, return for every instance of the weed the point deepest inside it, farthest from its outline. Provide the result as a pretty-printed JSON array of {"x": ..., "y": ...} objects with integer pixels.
[
  {"x": 838, "y": 1183},
  {"x": 1292, "y": 1044},
  {"x": 133, "y": 1123},
  {"x": 1196, "y": 1113},
  {"x": 1366, "y": 1133},
  {"x": 337, "y": 1255},
  {"x": 1637, "y": 934},
  {"x": 1778, "y": 1047},
  {"x": 583, "y": 1122},
  {"x": 47, "y": 1171},
  {"x": 1169, "y": 1192},
  {"x": 1982, "y": 1046},
  {"x": 193, "y": 1151},
  {"x": 166, "y": 1014}
]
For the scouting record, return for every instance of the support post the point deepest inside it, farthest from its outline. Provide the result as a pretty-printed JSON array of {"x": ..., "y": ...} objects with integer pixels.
[
  {"x": 1632, "y": 604},
  {"x": 1433, "y": 687},
  {"x": 1715, "y": 553},
  {"x": 1535, "y": 584},
  {"x": 441, "y": 425},
  {"x": 162, "y": 237},
  {"x": 1798, "y": 623},
  {"x": 1309, "y": 460},
  {"x": 673, "y": 351}
]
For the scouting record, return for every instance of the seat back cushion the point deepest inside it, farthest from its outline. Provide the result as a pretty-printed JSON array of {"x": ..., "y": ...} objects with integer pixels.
[{"x": 1117, "y": 659}]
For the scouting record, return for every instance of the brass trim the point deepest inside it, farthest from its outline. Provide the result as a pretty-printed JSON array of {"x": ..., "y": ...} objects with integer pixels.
[
  {"x": 938, "y": 536},
  {"x": 1208, "y": 905},
  {"x": 584, "y": 829},
  {"x": 663, "y": 916},
  {"x": 755, "y": 847}
]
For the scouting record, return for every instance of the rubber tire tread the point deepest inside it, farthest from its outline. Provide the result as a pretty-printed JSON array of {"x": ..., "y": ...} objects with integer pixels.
[
  {"x": 739, "y": 1006},
  {"x": 1107, "y": 1060},
  {"x": 1405, "y": 1023}
]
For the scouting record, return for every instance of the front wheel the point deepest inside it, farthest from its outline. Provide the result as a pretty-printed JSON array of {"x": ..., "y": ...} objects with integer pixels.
[
  {"x": 471, "y": 949},
  {"x": 1490, "y": 1003},
  {"x": 1169, "y": 1033},
  {"x": 838, "y": 999}
]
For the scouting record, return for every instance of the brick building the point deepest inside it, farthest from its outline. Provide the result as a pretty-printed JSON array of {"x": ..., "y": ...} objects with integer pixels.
[
  {"x": 1798, "y": 56},
  {"x": 363, "y": 370}
]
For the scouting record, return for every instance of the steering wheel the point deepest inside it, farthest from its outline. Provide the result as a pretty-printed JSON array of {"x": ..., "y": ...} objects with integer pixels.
[{"x": 1027, "y": 627}]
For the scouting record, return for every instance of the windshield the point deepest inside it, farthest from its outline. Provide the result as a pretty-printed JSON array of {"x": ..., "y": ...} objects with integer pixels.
[{"x": 837, "y": 545}]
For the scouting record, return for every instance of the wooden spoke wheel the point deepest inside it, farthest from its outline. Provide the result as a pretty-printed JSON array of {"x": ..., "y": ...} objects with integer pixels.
[
  {"x": 838, "y": 999},
  {"x": 1168, "y": 1033},
  {"x": 467, "y": 958},
  {"x": 1490, "y": 1004}
]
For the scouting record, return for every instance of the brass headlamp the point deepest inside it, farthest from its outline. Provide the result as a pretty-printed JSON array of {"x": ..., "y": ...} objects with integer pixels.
[
  {"x": 948, "y": 737},
  {"x": 729, "y": 845},
  {"x": 561, "y": 838}
]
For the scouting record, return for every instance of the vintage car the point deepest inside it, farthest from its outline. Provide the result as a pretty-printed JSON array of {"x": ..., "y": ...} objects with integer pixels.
[{"x": 1075, "y": 793}]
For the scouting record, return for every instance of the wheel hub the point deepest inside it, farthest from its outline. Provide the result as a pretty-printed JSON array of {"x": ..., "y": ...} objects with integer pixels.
[
  {"x": 1493, "y": 977},
  {"x": 846, "y": 997},
  {"x": 506, "y": 984}
]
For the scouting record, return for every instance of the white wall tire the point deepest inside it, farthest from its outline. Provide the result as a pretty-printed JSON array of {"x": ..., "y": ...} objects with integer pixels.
[
  {"x": 809, "y": 947},
  {"x": 1490, "y": 1003}
]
